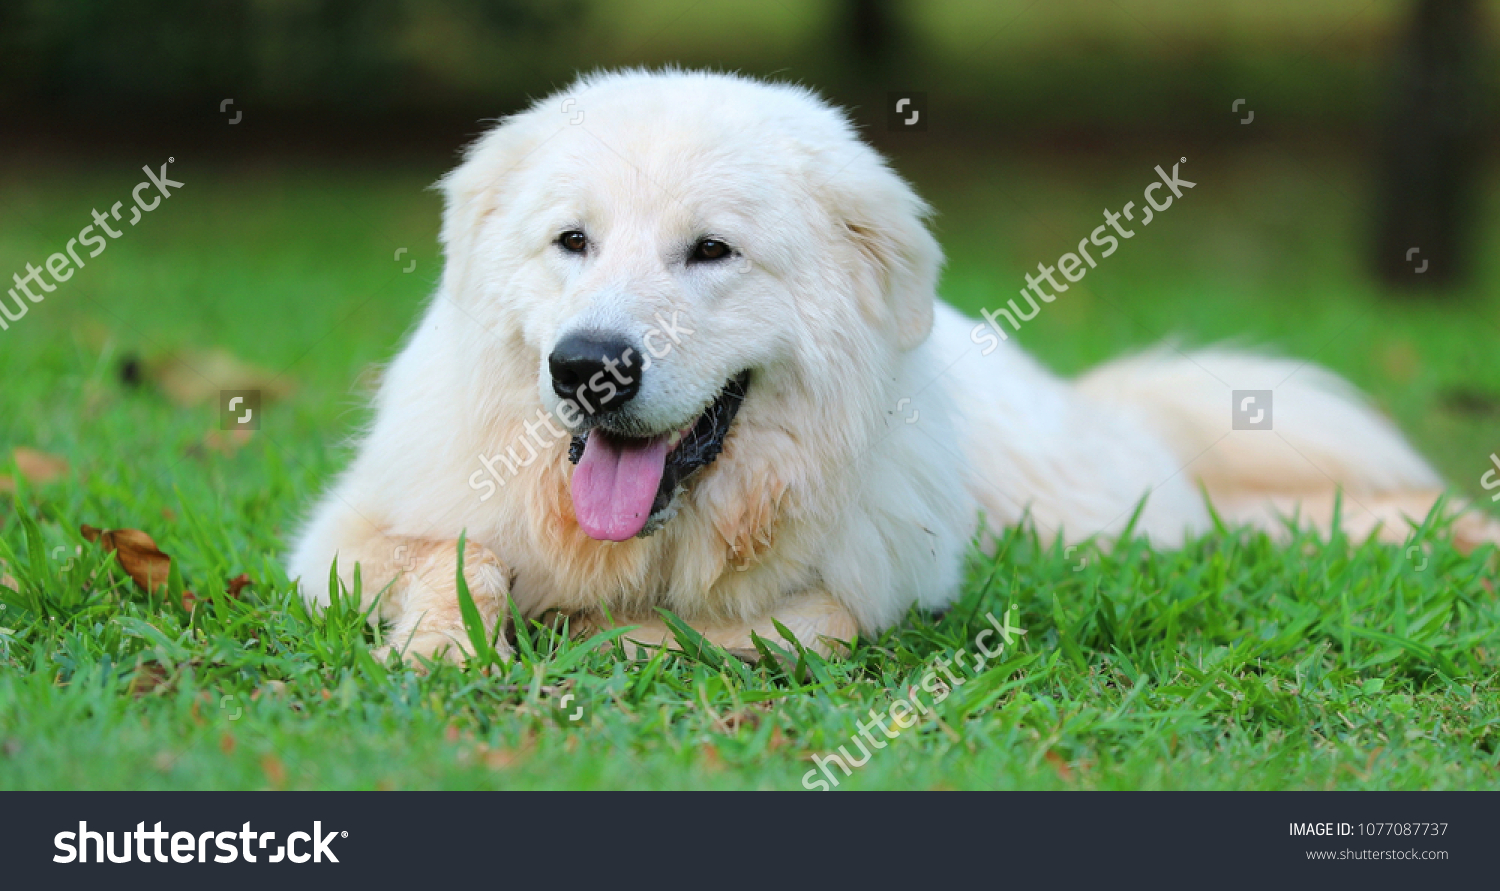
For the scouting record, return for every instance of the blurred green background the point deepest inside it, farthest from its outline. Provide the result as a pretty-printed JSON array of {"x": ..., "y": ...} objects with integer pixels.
[{"x": 1366, "y": 129}]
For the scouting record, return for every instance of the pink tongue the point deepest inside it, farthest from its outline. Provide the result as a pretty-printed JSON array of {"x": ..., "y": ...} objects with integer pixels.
[{"x": 615, "y": 483}]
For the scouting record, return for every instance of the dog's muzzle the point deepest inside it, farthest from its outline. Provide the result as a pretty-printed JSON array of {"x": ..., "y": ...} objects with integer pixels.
[{"x": 623, "y": 485}]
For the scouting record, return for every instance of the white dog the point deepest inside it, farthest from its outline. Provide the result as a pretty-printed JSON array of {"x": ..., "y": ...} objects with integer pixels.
[{"x": 686, "y": 353}]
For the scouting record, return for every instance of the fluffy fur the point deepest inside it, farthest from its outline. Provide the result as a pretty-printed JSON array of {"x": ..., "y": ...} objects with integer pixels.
[{"x": 874, "y": 435}]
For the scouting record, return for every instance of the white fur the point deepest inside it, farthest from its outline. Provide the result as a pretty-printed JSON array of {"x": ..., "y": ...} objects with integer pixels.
[{"x": 875, "y": 432}]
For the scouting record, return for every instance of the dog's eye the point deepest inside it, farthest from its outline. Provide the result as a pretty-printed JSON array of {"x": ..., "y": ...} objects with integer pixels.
[
  {"x": 710, "y": 249},
  {"x": 574, "y": 242}
]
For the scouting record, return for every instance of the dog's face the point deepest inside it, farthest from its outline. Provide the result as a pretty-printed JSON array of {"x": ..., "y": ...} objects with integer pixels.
[
  {"x": 663, "y": 306},
  {"x": 656, "y": 259}
]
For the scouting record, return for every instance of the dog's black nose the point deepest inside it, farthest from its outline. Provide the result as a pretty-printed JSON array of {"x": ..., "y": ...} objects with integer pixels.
[{"x": 598, "y": 373}]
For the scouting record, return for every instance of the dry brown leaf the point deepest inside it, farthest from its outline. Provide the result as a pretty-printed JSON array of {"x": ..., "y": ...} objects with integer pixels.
[
  {"x": 6, "y": 579},
  {"x": 1059, "y": 764},
  {"x": 232, "y": 588},
  {"x": 38, "y": 467},
  {"x": 195, "y": 377},
  {"x": 274, "y": 770},
  {"x": 136, "y": 553}
]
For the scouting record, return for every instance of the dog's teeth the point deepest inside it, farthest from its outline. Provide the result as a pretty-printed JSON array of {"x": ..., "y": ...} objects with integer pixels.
[{"x": 674, "y": 439}]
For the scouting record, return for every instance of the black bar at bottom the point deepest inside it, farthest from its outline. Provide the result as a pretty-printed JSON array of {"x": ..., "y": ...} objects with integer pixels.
[{"x": 1168, "y": 840}]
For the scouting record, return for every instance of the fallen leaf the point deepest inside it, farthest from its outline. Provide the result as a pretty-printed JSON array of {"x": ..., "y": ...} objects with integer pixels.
[
  {"x": 237, "y": 584},
  {"x": 38, "y": 467},
  {"x": 233, "y": 589},
  {"x": 1060, "y": 765},
  {"x": 136, "y": 553},
  {"x": 274, "y": 770},
  {"x": 193, "y": 377}
]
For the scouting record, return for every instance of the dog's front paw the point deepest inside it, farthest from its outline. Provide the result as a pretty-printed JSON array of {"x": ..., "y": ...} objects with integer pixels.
[
  {"x": 437, "y": 646},
  {"x": 430, "y": 622}
]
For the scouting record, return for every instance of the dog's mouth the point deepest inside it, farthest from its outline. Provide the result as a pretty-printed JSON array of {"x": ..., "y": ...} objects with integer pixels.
[{"x": 623, "y": 485}]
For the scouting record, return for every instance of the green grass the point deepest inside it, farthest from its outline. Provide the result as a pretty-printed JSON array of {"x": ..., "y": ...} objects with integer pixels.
[{"x": 1233, "y": 663}]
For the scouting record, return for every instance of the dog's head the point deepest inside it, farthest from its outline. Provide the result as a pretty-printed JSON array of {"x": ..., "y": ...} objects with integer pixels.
[{"x": 683, "y": 256}]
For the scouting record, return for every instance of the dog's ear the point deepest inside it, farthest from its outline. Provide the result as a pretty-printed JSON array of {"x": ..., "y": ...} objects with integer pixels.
[
  {"x": 471, "y": 192},
  {"x": 886, "y": 221}
]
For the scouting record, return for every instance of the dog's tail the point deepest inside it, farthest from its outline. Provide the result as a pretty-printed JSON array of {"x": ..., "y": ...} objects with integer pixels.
[{"x": 1269, "y": 437}]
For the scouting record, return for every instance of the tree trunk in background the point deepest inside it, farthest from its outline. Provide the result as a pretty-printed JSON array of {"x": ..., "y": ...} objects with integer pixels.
[
  {"x": 871, "y": 35},
  {"x": 1428, "y": 172}
]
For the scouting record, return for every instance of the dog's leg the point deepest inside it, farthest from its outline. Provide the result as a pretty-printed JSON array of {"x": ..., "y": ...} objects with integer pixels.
[
  {"x": 425, "y": 616},
  {"x": 819, "y": 622},
  {"x": 1389, "y": 516},
  {"x": 418, "y": 578}
]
